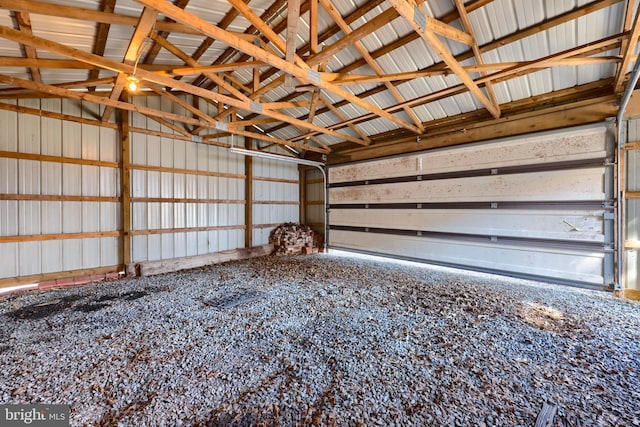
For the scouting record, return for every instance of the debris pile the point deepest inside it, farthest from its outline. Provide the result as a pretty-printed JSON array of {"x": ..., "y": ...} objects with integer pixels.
[{"x": 293, "y": 239}]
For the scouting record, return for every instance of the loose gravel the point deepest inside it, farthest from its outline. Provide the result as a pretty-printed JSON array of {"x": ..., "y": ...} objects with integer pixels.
[{"x": 323, "y": 340}]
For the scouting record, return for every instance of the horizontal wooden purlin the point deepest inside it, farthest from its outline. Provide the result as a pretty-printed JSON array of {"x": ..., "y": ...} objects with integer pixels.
[
  {"x": 185, "y": 171},
  {"x": 632, "y": 145},
  {"x": 314, "y": 202},
  {"x": 18, "y": 92},
  {"x": 266, "y": 178},
  {"x": 217, "y": 68},
  {"x": 10, "y": 61},
  {"x": 275, "y": 202},
  {"x": 54, "y": 115},
  {"x": 186, "y": 200},
  {"x": 632, "y": 244},
  {"x": 57, "y": 159},
  {"x": 58, "y": 198},
  {"x": 186, "y": 229},
  {"x": 633, "y": 294},
  {"x": 175, "y": 136},
  {"x": 590, "y": 111},
  {"x": 263, "y": 226},
  {"x": 82, "y": 14},
  {"x": 46, "y": 277},
  {"x": 59, "y": 236},
  {"x": 105, "y": 63},
  {"x": 632, "y": 195}
]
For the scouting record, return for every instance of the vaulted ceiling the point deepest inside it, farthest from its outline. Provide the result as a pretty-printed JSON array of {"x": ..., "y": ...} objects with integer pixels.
[{"x": 347, "y": 79}]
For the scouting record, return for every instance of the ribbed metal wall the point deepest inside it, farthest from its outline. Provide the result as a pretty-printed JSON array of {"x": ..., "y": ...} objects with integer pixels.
[
  {"x": 315, "y": 200},
  {"x": 59, "y": 190},
  {"x": 187, "y": 197},
  {"x": 276, "y": 196},
  {"x": 538, "y": 206},
  {"x": 632, "y": 211}
]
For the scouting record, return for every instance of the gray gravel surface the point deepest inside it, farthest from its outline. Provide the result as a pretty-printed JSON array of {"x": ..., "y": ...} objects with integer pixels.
[{"x": 324, "y": 340}]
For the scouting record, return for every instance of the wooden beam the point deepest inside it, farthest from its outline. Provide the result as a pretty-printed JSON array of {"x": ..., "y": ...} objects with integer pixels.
[
  {"x": 24, "y": 24},
  {"x": 12, "y": 34},
  {"x": 466, "y": 22},
  {"x": 446, "y": 30},
  {"x": 153, "y": 51},
  {"x": 248, "y": 195},
  {"x": 630, "y": 46},
  {"x": 419, "y": 23},
  {"x": 299, "y": 69},
  {"x": 313, "y": 26},
  {"x": 82, "y": 14},
  {"x": 337, "y": 18},
  {"x": 125, "y": 181},
  {"x": 293, "y": 14},
  {"x": 132, "y": 55},
  {"x": 217, "y": 68},
  {"x": 100, "y": 40}
]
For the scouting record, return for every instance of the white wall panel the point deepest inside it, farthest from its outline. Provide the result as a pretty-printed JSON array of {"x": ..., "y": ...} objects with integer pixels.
[{"x": 25, "y": 133}]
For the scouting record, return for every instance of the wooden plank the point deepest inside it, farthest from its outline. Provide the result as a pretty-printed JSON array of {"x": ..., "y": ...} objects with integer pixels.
[
  {"x": 57, "y": 159},
  {"x": 269, "y": 179},
  {"x": 58, "y": 236},
  {"x": 633, "y": 294},
  {"x": 100, "y": 39},
  {"x": 39, "y": 278},
  {"x": 134, "y": 166},
  {"x": 635, "y": 145},
  {"x": 185, "y": 229},
  {"x": 59, "y": 198},
  {"x": 627, "y": 50},
  {"x": 446, "y": 30},
  {"x": 298, "y": 69},
  {"x": 53, "y": 115},
  {"x": 125, "y": 183},
  {"x": 337, "y": 18},
  {"x": 150, "y": 268},
  {"x": 546, "y": 415},
  {"x": 186, "y": 200},
  {"x": 248, "y": 195},
  {"x": 293, "y": 14},
  {"x": 144, "y": 27},
  {"x": 215, "y": 68},
  {"x": 632, "y": 244},
  {"x": 24, "y": 24}
]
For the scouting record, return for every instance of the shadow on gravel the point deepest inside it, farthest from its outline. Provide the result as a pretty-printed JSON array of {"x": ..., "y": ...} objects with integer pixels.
[{"x": 50, "y": 308}]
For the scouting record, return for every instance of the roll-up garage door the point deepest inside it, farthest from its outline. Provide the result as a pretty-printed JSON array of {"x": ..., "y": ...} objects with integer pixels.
[{"x": 538, "y": 205}]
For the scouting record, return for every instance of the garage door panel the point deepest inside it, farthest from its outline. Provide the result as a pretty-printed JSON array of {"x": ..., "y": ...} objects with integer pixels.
[
  {"x": 562, "y": 265},
  {"x": 579, "y": 144},
  {"x": 580, "y": 184},
  {"x": 536, "y": 205},
  {"x": 577, "y": 226}
]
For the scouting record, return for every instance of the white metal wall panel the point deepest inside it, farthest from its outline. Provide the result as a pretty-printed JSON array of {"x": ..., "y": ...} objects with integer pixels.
[
  {"x": 534, "y": 205},
  {"x": 274, "y": 202},
  {"x": 32, "y": 179}
]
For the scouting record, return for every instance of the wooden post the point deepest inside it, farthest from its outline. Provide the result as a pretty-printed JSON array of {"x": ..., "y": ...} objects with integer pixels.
[
  {"x": 248, "y": 194},
  {"x": 123, "y": 128},
  {"x": 302, "y": 216}
]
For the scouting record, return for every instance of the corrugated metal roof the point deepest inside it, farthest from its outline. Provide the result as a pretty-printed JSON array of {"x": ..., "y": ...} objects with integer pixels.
[{"x": 492, "y": 21}]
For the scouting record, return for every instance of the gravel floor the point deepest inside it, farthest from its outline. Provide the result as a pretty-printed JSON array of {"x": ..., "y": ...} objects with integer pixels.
[{"x": 324, "y": 340}]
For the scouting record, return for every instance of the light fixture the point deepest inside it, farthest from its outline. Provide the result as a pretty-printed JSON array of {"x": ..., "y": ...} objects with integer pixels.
[{"x": 133, "y": 84}]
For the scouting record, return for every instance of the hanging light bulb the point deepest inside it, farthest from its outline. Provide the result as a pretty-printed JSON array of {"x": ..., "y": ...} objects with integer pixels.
[{"x": 133, "y": 84}]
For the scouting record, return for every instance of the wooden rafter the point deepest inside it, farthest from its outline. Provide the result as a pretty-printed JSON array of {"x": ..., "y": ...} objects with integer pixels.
[
  {"x": 121, "y": 67},
  {"x": 100, "y": 40},
  {"x": 629, "y": 48},
  {"x": 299, "y": 69},
  {"x": 293, "y": 15},
  {"x": 153, "y": 51},
  {"x": 420, "y": 24},
  {"x": 337, "y": 18},
  {"x": 466, "y": 23},
  {"x": 136, "y": 45},
  {"x": 24, "y": 24}
]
